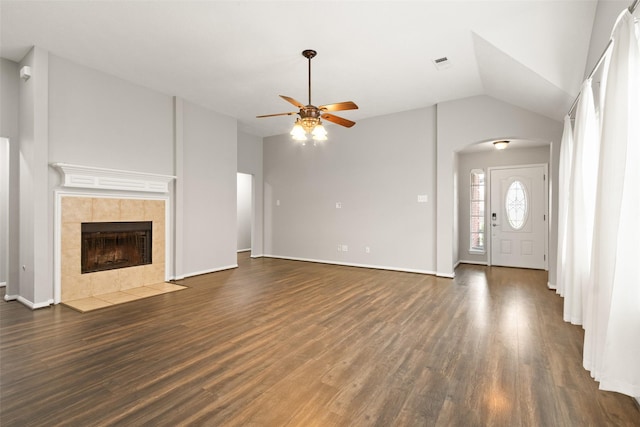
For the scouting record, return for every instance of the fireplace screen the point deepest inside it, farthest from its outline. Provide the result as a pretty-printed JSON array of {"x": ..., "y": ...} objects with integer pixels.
[{"x": 111, "y": 245}]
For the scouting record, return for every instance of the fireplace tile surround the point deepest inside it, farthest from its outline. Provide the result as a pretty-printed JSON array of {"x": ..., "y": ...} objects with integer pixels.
[{"x": 76, "y": 210}]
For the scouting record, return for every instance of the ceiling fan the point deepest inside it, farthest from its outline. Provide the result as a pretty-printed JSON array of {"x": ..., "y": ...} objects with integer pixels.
[{"x": 310, "y": 115}]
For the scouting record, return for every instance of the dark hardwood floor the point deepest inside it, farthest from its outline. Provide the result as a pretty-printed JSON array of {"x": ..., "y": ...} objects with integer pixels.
[{"x": 286, "y": 343}]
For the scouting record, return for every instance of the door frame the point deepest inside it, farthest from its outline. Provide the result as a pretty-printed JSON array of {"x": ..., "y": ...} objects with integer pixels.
[
  {"x": 5, "y": 177},
  {"x": 251, "y": 200},
  {"x": 488, "y": 208}
]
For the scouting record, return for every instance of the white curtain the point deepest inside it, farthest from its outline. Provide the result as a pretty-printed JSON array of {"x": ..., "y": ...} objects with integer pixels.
[
  {"x": 581, "y": 209},
  {"x": 564, "y": 181},
  {"x": 612, "y": 328}
]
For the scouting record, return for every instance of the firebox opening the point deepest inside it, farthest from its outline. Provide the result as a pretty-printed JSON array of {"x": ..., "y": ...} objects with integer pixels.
[{"x": 111, "y": 245}]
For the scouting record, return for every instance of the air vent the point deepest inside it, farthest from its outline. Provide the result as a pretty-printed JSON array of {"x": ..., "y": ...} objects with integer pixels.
[{"x": 442, "y": 63}]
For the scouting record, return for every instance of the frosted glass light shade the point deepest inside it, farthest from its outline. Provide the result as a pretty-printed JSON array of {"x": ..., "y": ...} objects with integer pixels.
[
  {"x": 319, "y": 133},
  {"x": 298, "y": 133}
]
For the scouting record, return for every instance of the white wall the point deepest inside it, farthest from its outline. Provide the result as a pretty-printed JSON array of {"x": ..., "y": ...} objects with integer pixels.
[
  {"x": 96, "y": 119},
  {"x": 206, "y": 210},
  {"x": 375, "y": 170},
  {"x": 99, "y": 120},
  {"x": 484, "y": 160},
  {"x": 73, "y": 114},
  {"x": 9, "y": 78},
  {"x": 9, "y": 128},
  {"x": 606, "y": 14},
  {"x": 481, "y": 118},
  {"x": 250, "y": 162},
  {"x": 244, "y": 206},
  {"x": 36, "y": 271}
]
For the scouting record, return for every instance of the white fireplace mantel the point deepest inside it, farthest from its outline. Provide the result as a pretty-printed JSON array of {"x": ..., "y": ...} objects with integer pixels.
[{"x": 112, "y": 179}]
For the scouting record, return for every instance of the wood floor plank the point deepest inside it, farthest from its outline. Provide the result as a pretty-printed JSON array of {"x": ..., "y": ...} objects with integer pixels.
[{"x": 287, "y": 343}]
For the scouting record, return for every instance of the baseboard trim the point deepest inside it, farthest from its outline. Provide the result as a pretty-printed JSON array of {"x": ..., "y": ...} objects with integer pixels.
[
  {"x": 244, "y": 250},
  {"x": 10, "y": 297},
  {"x": 446, "y": 275},
  {"x": 257, "y": 255},
  {"x": 3, "y": 284},
  {"x": 551, "y": 286},
  {"x": 350, "y": 264},
  {"x": 473, "y": 262},
  {"x": 34, "y": 305},
  {"x": 199, "y": 273}
]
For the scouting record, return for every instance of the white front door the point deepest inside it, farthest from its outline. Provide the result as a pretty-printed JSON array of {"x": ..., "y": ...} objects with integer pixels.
[{"x": 518, "y": 217}]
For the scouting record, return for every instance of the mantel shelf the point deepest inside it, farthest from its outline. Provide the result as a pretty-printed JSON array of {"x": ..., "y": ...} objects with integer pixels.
[{"x": 112, "y": 179}]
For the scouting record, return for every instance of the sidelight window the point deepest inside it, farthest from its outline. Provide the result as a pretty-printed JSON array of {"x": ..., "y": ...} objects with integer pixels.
[{"x": 476, "y": 212}]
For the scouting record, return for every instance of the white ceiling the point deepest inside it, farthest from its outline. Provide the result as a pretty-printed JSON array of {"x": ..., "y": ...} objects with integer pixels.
[{"x": 236, "y": 57}]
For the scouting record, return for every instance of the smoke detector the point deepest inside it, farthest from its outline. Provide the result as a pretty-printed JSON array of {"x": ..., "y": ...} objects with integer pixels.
[{"x": 442, "y": 63}]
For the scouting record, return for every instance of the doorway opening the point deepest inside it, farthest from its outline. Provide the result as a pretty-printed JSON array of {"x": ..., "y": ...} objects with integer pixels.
[
  {"x": 4, "y": 211},
  {"x": 244, "y": 212},
  {"x": 473, "y": 225}
]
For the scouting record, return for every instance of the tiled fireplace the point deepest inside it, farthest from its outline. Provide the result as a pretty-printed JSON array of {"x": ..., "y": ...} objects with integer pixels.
[
  {"x": 78, "y": 210},
  {"x": 90, "y": 198}
]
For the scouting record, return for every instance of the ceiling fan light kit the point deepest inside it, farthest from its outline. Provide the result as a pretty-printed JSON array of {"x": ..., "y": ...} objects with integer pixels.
[{"x": 309, "y": 121}]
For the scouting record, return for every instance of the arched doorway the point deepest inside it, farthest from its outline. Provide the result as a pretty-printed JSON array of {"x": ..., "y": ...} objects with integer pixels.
[{"x": 474, "y": 225}]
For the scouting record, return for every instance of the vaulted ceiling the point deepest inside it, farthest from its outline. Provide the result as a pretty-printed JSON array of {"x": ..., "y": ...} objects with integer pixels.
[{"x": 236, "y": 57}]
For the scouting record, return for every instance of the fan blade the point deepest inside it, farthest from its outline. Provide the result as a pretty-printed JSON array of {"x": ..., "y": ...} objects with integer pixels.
[
  {"x": 338, "y": 120},
  {"x": 339, "y": 106},
  {"x": 292, "y": 101},
  {"x": 279, "y": 114}
]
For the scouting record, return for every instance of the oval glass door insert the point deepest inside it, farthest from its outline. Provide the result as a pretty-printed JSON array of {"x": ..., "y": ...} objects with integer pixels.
[{"x": 516, "y": 205}]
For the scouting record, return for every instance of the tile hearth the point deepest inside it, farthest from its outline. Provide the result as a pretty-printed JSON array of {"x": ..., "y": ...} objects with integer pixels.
[{"x": 96, "y": 302}]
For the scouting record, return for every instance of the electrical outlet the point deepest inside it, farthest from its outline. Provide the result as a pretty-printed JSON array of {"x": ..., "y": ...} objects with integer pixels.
[
  {"x": 339, "y": 248},
  {"x": 277, "y": 202},
  {"x": 338, "y": 205},
  {"x": 345, "y": 248},
  {"x": 367, "y": 250},
  {"x": 423, "y": 198}
]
